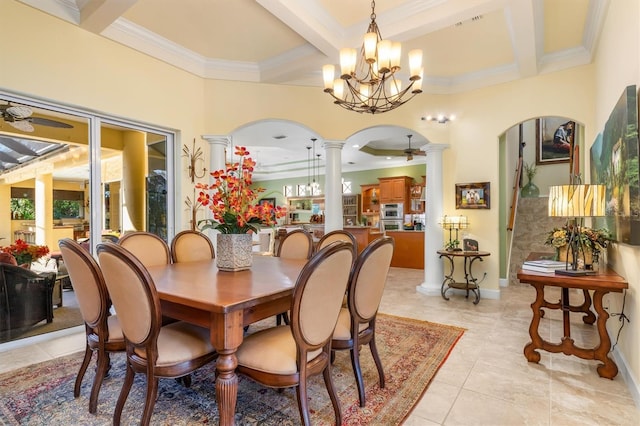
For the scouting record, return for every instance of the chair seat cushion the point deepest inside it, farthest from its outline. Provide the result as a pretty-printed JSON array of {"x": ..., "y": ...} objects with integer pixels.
[
  {"x": 179, "y": 342},
  {"x": 343, "y": 327},
  {"x": 272, "y": 350}
]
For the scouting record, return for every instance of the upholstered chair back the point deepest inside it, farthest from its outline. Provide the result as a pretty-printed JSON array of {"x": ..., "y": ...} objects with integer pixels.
[
  {"x": 191, "y": 246},
  {"x": 149, "y": 248},
  {"x": 133, "y": 293},
  {"x": 338, "y": 235},
  {"x": 318, "y": 295},
  {"x": 296, "y": 245}
]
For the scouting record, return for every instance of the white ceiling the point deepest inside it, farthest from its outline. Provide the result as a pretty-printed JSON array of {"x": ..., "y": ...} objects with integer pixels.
[{"x": 467, "y": 44}]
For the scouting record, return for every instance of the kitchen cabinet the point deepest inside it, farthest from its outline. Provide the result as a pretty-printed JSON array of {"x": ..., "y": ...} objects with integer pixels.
[
  {"x": 396, "y": 190},
  {"x": 417, "y": 204},
  {"x": 370, "y": 195},
  {"x": 350, "y": 209}
]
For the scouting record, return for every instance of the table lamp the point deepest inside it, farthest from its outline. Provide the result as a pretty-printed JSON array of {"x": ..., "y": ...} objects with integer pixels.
[
  {"x": 576, "y": 202},
  {"x": 454, "y": 223}
]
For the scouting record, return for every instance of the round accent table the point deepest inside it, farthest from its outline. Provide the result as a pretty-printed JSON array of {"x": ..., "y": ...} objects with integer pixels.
[{"x": 470, "y": 282}]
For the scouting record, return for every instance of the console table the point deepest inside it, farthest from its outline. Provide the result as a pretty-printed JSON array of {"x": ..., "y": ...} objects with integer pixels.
[
  {"x": 605, "y": 281},
  {"x": 470, "y": 282}
]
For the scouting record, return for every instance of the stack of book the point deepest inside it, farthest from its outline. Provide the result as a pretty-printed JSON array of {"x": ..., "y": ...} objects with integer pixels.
[{"x": 543, "y": 265}]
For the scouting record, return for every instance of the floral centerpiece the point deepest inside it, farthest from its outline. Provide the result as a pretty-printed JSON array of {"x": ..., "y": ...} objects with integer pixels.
[
  {"x": 592, "y": 240},
  {"x": 235, "y": 208},
  {"x": 25, "y": 253}
]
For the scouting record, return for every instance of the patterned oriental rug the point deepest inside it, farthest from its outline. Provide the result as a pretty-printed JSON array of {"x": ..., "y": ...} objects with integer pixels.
[{"x": 412, "y": 351}]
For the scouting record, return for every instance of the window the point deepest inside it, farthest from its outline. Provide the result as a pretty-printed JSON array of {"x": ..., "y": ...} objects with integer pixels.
[
  {"x": 68, "y": 204},
  {"x": 287, "y": 190},
  {"x": 346, "y": 187},
  {"x": 23, "y": 205}
]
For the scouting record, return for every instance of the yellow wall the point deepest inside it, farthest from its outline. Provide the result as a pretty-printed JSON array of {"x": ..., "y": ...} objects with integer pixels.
[
  {"x": 617, "y": 66},
  {"x": 78, "y": 68}
]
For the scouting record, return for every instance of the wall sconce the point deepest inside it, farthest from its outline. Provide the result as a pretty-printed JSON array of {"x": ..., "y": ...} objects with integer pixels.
[
  {"x": 453, "y": 223},
  {"x": 194, "y": 155},
  {"x": 440, "y": 118}
]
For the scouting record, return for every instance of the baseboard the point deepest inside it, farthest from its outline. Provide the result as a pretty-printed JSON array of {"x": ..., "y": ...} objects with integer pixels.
[
  {"x": 623, "y": 370},
  {"x": 503, "y": 282}
]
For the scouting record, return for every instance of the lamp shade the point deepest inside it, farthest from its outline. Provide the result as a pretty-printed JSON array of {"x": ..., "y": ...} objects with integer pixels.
[
  {"x": 454, "y": 222},
  {"x": 577, "y": 200}
]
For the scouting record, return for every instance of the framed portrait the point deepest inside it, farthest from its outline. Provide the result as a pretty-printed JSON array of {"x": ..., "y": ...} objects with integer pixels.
[
  {"x": 473, "y": 195},
  {"x": 554, "y": 140}
]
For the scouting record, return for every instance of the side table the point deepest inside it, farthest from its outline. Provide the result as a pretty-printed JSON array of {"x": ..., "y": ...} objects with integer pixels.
[
  {"x": 470, "y": 282},
  {"x": 605, "y": 281}
]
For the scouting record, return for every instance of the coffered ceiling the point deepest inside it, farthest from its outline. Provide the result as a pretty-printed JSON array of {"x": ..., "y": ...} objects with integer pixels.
[{"x": 467, "y": 44}]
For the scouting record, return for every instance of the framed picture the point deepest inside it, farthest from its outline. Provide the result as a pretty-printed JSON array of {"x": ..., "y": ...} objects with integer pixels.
[
  {"x": 271, "y": 201},
  {"x": 469, "y": 244},
  {"x": 473, "y": 195},
  {"x": 614, "y": 163},
  {"x": 554, "y": 140}
]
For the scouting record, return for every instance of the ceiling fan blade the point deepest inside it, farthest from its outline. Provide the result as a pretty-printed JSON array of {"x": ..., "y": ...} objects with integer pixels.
[{"x": 51, "y": 123}]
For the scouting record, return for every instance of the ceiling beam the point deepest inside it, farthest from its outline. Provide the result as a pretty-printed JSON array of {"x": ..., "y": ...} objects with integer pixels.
[{"x": 96, "y": 15}]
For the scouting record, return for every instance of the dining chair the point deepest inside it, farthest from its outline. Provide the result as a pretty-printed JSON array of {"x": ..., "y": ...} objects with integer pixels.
[
  {"x": 169, "y": 351},
  {"x": 149, "y": 248},
  {"x": 296, "y": 244},
  {"x": 285, "y": 356},
  {"x": 103, "y": 331},
  {"x": 191, "y": 246},
  {"x": 357, "y": 322},
  {"x": 338, "y": 235}
]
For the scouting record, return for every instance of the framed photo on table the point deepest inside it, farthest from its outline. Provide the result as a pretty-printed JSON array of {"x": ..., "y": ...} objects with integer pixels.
[
  {"x": 473, "y": 195},
  {"x": 554, "y": 140}
]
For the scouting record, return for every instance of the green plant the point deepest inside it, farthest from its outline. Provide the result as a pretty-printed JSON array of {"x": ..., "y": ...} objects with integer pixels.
[
  {"x": 530, "y": 170},
  {"x": 595, "y": 239},
  {"x": 452, "y": 245}
]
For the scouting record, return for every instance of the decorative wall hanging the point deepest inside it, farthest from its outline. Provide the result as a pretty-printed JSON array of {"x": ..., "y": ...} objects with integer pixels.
[{"x": 473, "y": 195}]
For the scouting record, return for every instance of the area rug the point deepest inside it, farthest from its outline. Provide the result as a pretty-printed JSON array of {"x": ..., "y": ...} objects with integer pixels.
[{"x": 412, "y": 351}]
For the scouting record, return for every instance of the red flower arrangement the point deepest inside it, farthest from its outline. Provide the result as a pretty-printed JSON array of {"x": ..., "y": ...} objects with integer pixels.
[
  {"x": 233, "y": 202},
  {"x": 25, "y": 253}
]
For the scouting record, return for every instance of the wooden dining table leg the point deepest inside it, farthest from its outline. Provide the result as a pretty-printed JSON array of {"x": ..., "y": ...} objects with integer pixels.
[{"x": 226, "y": 336}]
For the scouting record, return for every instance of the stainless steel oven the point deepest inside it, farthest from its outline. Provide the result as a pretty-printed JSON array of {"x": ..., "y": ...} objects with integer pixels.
[
  {"x": 392, "y": 211},
  {"x": 391, "y": 225}
]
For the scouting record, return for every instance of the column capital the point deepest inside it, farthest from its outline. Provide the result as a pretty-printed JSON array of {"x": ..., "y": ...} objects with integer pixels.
[
  {"x": 224, "y": 140},
  {"x": 327, "y": 144}
]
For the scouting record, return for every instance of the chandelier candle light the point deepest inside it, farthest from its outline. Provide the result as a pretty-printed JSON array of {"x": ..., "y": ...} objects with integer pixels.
[
  {"x": 576, "y": 202},
  {"x": 372, "y": 85}
]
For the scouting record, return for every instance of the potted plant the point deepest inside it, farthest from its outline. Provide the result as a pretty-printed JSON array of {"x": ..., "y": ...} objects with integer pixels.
[
  {"x": 235, "y": 211},
  {"x": 25, "y": 253},
  {"x": 591, "y": 241},
  {"x": 530, "y": 189}
]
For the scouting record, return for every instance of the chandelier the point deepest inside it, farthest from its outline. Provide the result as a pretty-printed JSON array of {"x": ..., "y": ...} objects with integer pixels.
[{"x": 371, "y": 83}]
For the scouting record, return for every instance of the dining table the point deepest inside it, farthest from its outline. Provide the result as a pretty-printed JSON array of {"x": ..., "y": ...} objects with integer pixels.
[{"x": 225, "y": 303}]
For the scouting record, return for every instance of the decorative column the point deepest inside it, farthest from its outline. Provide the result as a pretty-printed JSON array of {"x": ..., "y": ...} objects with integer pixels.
[
  {"x": 134, "y": 182},
  {"x": 433, "y": 233},
  {"x": 217, "y": 161},
  {"x": 44, "y": 207},
  {"x": 217, "y": 146},
  {"x": 333, "y": 183}
]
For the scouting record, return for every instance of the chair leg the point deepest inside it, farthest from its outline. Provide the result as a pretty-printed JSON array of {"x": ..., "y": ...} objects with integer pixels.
[
  {"x": 150, "y": 401},
  {"x": 285, "y": 317},
  {"x": 101, "y": 371},
  {"x": 332, "y": 394},
  {"x": 124, "y": 393},
  {"x": 357, "y": 371},
  {"x": 83, "y": 369},
  {"x": 303, "y": 403},
  {"x": 376, "y": 359}
]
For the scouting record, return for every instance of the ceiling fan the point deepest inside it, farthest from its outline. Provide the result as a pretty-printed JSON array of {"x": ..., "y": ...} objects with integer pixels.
[
  {"x": 20, "y": 117},
  {"x": 411, "y": 152}
]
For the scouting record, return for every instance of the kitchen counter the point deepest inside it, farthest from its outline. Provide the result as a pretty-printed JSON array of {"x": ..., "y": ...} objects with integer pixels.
[{"x": 409, "y": 249}]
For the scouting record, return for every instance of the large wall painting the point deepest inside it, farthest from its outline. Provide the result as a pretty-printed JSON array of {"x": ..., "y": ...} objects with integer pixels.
[{"x": 614, "y": 163}]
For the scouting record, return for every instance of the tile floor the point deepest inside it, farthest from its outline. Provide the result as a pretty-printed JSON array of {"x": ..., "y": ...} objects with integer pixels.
[{"x": 486, "y": 379}]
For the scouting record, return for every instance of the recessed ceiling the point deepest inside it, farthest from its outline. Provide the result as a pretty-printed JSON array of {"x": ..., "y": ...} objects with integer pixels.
[{"x": 467, "y": 44}]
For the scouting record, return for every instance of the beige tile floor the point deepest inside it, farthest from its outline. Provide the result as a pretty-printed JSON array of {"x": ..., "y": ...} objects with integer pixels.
[{"x": 486, "y": 380}]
